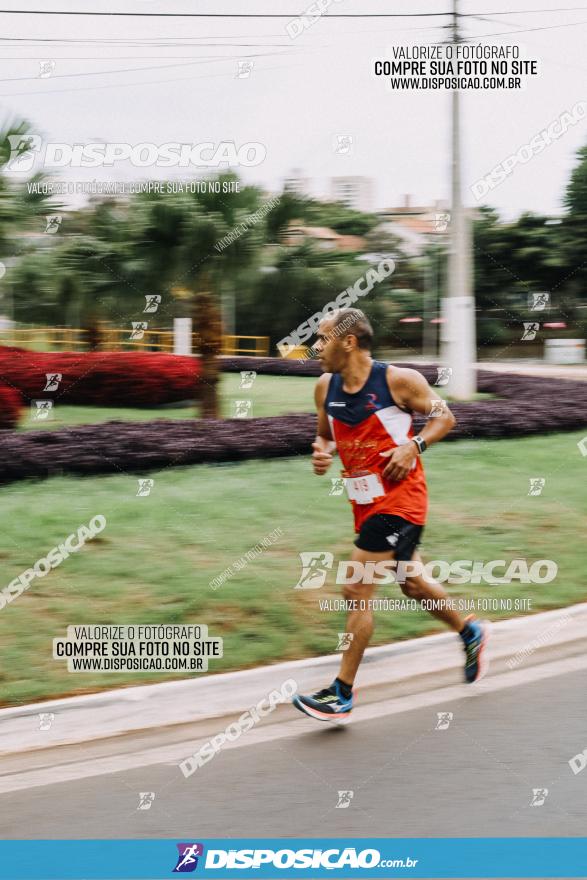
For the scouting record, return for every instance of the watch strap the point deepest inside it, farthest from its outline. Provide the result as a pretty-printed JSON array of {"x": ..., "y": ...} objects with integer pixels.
[{"x": 420, "y": 443}]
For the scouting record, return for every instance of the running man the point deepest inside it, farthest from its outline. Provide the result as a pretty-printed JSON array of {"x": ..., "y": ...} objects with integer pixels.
[{"x": 365, "y": 413}]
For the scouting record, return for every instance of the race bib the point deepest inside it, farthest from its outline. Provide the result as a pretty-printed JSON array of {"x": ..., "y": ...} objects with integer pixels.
[{"x": 363, "y": 487}]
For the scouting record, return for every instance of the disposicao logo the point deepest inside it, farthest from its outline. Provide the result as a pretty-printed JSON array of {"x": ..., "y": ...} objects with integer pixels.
[{"x": 187, "y": 860}]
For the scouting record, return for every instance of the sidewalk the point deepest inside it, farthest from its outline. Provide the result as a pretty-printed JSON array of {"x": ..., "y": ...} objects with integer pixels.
[
  {"x": 389, "y": 671},
  {"x": 525, "y": 368}
]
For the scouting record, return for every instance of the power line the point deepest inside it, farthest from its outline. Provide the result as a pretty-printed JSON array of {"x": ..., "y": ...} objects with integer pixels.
[
  {"x": 213, "y": 59},
  {"x": 161, "y": 41},
  {"x": 254, "y": 15},
  {"x": 170, "y": 42},
  {"x": 216, "y": 58},
  {"x": 146, "y": 41},
  {"x": 71, "y": 59},
  {"x": 524, "y": 11},
  {"x": 551, "y": 27},
  {"x": 493, "y": 21},
  {"x": 208, "y": 60},
  {"x": 223, "y": 14},
  {"x": 151, "y": 82}
]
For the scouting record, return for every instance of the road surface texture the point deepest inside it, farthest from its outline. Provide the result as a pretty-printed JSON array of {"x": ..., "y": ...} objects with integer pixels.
[{"x": 503, "y": 748}]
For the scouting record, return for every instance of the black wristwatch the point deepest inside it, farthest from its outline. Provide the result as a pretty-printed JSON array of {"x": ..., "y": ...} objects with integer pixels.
[{"x": 420, "y": 443}]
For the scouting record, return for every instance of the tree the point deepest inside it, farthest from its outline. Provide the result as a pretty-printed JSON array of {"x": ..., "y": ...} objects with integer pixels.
[
  {"x": 207, "y": 319},
  {"x": 302, "y": 281},
  {"x": 21, "y": 203},
  {"x": 575, "y": 199},
  {"x": 290, "y": 207},
  {"x": 21, "y": 210},
  {"x": 33, "y": 296},
  {"x": 200, "y": 242},
  {"x": 335, "y": 215},
  {"x": 92, "y": 281},
  {"x": 512, "y": 260}
]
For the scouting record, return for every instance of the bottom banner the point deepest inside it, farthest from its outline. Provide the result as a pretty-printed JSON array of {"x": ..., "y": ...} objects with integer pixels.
[{"x": 286, "y": 857}]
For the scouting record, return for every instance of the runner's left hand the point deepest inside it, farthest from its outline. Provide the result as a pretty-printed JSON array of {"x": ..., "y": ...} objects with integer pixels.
[{"x": 401, "y": 461}]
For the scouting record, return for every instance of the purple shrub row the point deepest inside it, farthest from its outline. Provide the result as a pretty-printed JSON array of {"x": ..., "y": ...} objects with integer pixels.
[
  {"x": 119, "y": 447},
  {"x": 524, "y": 405}
]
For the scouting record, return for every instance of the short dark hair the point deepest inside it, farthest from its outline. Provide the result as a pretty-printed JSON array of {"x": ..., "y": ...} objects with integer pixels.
[{"x": 347, "y": 322}]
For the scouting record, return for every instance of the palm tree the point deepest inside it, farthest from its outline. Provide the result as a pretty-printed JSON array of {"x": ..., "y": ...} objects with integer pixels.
[
  {"x": 200, "y": 242},
  {"x": 21, "y": 203},
  {"x": 22, "y": 208}
]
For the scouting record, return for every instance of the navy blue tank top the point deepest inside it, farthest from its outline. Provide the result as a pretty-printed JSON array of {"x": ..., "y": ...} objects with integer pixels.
[{"x": 354, "y": 408}]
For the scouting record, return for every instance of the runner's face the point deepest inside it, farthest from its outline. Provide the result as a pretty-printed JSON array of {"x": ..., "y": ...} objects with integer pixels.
[{"x": 329, "y": 349}]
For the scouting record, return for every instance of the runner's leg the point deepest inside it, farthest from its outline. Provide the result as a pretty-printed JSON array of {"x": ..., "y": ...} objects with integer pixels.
[
  {"x": 417, "y": 587},
  {"x": 359, "y": 622}
]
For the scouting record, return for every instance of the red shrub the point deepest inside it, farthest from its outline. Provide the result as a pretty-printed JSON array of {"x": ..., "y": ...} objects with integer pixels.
[
  {"x": 10, "y": 406},
  {"x": 101, "y": 378}
]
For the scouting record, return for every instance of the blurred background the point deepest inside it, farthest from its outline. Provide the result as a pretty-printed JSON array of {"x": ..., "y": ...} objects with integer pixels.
[
  {"x": 121, "y": 307},
  {"x": 76, "y": 279}
]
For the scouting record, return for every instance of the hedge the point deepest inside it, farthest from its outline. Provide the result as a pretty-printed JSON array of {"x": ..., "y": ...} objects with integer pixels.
[
  {"x": 95, "y": 378},
  {"x": 115, "y": 447},
  {"x": 10, "y": 406},
  {"x": 527, "y": 405},
  {"x": 271, "y": 366}
]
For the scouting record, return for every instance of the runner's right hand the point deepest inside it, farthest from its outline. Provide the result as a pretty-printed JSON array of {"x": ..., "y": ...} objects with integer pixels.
[{"x": 321, "y": 460}]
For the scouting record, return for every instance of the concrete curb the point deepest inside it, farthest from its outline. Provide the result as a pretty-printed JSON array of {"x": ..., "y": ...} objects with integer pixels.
[{"x": 413, "y": 666}]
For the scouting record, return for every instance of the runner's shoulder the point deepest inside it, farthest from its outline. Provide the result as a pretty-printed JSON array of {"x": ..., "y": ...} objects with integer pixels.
[
  {"x": 404, "y": 377},
  {"x": 403, "y": 382}
]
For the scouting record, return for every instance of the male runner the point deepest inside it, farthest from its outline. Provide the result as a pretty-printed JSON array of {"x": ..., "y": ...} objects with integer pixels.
[{"x": 364, "y": 412}]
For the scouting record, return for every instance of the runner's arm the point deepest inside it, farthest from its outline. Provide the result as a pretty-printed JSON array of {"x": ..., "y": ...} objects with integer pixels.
[
  {"x": 411, "y": 391},
  {"x": 324, "y": 445}
]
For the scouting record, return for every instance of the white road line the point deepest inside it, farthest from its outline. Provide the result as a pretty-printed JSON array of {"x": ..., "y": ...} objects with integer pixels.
[{"x": 175, "y": 753}]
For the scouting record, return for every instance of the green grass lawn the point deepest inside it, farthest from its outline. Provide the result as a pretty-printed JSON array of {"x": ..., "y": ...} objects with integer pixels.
[
  {"x": 270, "y": 396},
  {"x": 154, "y": 561}
]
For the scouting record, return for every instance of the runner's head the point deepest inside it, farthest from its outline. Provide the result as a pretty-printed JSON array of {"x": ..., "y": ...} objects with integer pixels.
[{"x": 340, "y": 336}]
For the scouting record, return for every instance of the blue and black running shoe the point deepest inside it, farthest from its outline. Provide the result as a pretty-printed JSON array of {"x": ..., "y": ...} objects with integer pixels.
[
  {"x": 474, "y": 636},
  {"x": 325, "y": 705}
]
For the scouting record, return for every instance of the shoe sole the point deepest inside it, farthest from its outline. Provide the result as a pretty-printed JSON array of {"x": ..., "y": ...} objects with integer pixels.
[{"x": 333, "y": 718}]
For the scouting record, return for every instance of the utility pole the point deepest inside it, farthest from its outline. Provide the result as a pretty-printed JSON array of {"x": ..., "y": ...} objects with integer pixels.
[
  {"x": 430, "y": 305},
  {"x": 458, "y": 330}
]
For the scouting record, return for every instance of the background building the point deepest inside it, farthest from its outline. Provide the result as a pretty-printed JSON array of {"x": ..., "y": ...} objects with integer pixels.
[
  {"x": 297, "y": 183},
  {"x": 354, "y": 192}
]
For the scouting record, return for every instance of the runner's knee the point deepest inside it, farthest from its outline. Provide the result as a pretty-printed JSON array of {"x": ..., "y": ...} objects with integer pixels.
[
  {"x": 352, "y": 591},
  {"x": 411, "y": 588},
  {"x": 358, "y": 592}
]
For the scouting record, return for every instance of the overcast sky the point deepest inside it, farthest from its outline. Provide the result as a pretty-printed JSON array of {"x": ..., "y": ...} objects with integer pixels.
[{"x": 301, "y": 93}]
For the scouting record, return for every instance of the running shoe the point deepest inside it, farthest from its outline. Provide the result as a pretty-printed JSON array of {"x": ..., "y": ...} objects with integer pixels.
[
  {"x": 474, "y": 636},
  {"x": 325, "y": 705}
]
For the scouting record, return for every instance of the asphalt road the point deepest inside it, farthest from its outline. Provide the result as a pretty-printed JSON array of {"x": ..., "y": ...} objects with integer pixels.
[{"x": 475, "y": 778}]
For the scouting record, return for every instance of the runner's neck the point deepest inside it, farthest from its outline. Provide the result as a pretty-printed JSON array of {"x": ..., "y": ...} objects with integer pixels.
[{"x": 356, "y": 374}]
